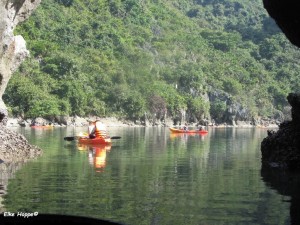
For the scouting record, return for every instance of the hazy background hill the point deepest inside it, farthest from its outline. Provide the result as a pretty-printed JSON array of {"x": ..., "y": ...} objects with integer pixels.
[{"x": 182, "y": 59}]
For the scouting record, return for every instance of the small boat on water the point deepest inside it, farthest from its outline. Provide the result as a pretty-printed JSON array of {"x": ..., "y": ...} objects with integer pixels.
[
  {"x": 174, "y": 130},
  {"x": 42, "y": 126},
  {"x": 84, "y": 139},
  {"x": 94, "y": 141}
]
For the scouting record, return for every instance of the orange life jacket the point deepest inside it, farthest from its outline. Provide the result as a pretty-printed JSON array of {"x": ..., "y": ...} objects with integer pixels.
[{"x": 100, "y": 133}]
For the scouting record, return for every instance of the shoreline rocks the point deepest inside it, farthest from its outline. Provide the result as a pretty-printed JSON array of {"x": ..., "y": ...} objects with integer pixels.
[
  {"x": 114, "y": 122},
  {"x": 15, "y": 148}
]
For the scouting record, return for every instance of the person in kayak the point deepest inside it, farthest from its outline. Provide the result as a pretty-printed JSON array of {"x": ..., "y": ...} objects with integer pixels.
[
  {"x": 97, "y": 129},
  {"x": 91, "y": 130},
  {"x": 185, "y": 127}
]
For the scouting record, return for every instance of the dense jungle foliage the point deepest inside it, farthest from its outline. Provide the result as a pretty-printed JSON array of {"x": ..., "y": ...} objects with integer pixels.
[{"x": 130, "y": 57}]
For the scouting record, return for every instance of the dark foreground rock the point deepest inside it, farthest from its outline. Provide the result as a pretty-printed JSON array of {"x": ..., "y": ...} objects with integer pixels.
[
  {"x": 282, "y": 148},
  {"x": 286, "y": 14}
]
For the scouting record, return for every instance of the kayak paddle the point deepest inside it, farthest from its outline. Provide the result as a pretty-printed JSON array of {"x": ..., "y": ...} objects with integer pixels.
[
  {"x": 69, "y": 138},
  {"x": 73, "y": 138},
  {"x": 115, "y": 137}
]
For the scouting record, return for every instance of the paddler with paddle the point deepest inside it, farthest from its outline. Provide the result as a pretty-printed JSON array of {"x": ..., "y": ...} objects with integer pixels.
[
  {"x": 96, "y": 129},
  {"x": 91, "y": 129}
]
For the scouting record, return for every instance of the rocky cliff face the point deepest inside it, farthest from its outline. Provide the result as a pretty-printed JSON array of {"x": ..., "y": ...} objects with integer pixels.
[
  {"x": 14, "y": 148},
  {"x": 235, "y": 112},
  {"x": 12, "y": 48}
]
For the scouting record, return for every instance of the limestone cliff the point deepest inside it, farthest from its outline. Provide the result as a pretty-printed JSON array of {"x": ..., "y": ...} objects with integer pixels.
[
  {"x": 12, "y": 48},
  {"x": 13, "y": 147}
]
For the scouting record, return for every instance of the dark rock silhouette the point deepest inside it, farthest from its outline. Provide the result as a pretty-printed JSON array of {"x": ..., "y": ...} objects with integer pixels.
[
  {"x": 286, "y": 15},
  {"x": 282, "y": 148}
]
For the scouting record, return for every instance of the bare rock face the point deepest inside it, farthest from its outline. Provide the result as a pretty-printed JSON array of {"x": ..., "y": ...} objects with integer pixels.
[{"x": 12, "y": 48}]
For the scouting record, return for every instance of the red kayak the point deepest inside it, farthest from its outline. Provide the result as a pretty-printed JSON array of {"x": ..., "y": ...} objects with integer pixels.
[
  {"x": 94, "y": 141},
  {"x": 174, "y": 130}
]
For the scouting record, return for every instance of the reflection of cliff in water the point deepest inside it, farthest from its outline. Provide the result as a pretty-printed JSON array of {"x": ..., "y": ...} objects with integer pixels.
[
  {"x": 7, "y": 171},
  {"x": 287, "y": 184}
]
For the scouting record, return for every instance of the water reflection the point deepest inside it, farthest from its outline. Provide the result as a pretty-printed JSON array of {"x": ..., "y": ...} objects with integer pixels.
[
  {"x": 151, "y": 177},
  {"x": 186, "y": 135},
  {"x": 287, "y": 184},
  {"x": 96, "y": 155},
  {"x": 7, "y": 171}
]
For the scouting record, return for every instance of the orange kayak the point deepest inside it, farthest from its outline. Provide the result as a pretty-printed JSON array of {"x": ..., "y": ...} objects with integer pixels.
[
  {"x": 94, "y": 141},
  {"x": 174, "y": 130}
]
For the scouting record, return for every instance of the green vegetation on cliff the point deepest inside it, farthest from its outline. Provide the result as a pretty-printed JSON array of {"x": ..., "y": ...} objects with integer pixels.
[{"x": 131, "y": 57}]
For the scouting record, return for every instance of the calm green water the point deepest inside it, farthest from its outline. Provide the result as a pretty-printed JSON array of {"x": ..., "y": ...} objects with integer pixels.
[{"x": 150, "y": 177}]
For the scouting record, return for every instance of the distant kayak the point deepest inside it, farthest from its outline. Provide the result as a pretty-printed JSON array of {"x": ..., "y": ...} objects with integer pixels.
[
  {"x": 42, "y": 126},
  {"x": 174, "y": 130}
]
